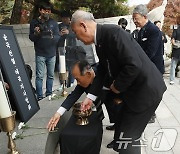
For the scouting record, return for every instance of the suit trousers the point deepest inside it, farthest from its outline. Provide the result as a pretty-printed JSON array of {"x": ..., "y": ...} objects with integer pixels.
[
  {"x": 129, "y": 127},
  {"x": 112, "y": 108}
]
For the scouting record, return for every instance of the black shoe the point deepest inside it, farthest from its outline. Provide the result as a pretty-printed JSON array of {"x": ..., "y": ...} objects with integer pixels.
[
  {"x": 110, "y": 127},
  {"x": 40, "y": 98},
  {"x": 110, "y": 145}
]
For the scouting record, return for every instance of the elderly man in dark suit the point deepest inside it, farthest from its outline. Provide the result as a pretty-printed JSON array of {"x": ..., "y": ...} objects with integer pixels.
[
  {"x": 150, "y": 39},
  {"x": 149, "y": 36},
  {"x": 134, "y": 77},
  {"x": 84, "y": 74}
]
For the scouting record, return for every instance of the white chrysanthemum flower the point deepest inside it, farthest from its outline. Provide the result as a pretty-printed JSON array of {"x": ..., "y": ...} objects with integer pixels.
[
  {"x": 21, "y": 125},
  {"x": 49, "y": 97},
  {"x": 53, "y": 95},
  {"x": 14, "y": 135}
]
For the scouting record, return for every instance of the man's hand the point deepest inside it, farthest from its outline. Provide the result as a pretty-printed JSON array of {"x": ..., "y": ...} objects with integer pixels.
[
  {"x": 64, "y": 31},
  {"x": 173, "y": 41},
  {"x": 36, "y": 30},
  {"x": 86, "y": 104},
  {"x": 114, "y": 89},
  {"x": 53, "y": 121},
  {"x": 6, "y": 85}
]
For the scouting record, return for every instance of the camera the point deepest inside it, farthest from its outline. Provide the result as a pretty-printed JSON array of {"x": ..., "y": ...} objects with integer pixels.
[{"x": 45, "y": 31}]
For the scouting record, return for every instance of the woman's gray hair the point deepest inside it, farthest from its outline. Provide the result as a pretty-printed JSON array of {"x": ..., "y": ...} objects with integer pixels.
[
  {"x": 141, "y": 9},
  {"x": 83, "y": 15}
]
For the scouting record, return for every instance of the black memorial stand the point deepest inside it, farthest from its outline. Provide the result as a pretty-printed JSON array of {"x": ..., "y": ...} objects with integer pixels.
[{"x": 76, "y": 139}]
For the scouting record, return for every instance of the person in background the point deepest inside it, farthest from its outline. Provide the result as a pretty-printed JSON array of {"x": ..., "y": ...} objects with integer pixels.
[
  {"x": 123, "y": 24},
  {"x": 164, "y": 39},
  {"x": 68, "y": 41},
  {"x": 133, "y": 77},
  {"x": 150, "y": 39},
  {"x": 135, "y": 33},
  {"x": 44, "y": 32},
  {"x": 66, "y": 31},
  {"x": 158, "y": 24},
  {"x": 175, "y": 57}
]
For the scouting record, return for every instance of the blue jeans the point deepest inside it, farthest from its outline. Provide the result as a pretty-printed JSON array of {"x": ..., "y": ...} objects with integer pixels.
[
  {"x": 41, "y": 62},
  {"x": 174, "y": 62}
]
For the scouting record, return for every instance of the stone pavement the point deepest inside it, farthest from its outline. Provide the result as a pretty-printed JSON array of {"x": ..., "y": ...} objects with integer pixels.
[{"x": 168, "y": 120}]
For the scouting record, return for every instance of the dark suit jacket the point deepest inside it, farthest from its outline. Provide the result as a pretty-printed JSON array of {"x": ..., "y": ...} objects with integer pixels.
[
  {"x": 136, "y": 77},
  {"x": 70, "y": 38},
  {"x": 150, "y": 39},
  {"x": 74, "y": 96},
  {"x": 176, "y": 36}
]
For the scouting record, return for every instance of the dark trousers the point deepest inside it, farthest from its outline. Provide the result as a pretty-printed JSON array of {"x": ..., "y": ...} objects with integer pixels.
[
  {"x": 56, "y": 68},
  {"x": 130, "y": 125},
  {"x": 70, "y": 76},
  {"x": 112, "y": 109}
]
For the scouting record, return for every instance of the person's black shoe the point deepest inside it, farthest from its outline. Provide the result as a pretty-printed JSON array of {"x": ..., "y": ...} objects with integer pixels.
[
  {"x": 110, "y": 127},
  {"x": 110, "y": 145},
  {"x": 40, "y": 98}
]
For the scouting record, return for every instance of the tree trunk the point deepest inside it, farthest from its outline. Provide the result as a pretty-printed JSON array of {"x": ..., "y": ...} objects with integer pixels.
[{"x": 16, "y": 13}]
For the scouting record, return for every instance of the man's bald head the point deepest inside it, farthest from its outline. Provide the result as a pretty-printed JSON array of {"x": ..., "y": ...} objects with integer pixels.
[
  {"x": 82, "y": 15},
  {"x": 84, "y": 26}
]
